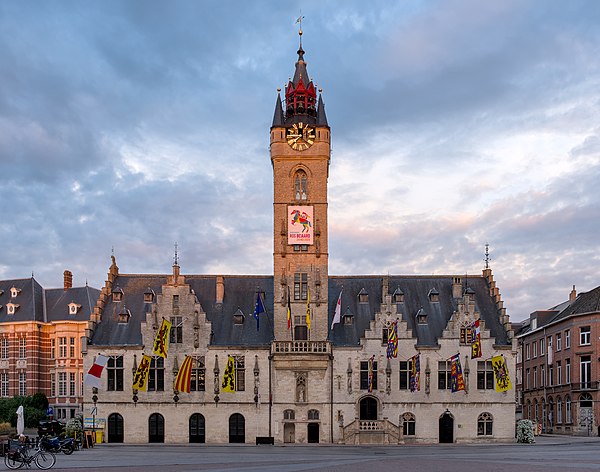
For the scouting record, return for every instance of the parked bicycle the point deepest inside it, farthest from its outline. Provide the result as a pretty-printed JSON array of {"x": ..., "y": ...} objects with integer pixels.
[{"x": 20, "y": 455}]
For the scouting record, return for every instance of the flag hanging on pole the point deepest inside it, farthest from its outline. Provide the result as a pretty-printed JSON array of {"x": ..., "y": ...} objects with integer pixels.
[
  {"x": 308, "y": 310},
  {"x": 259, "y": 307},
  {"x": 392, "y": 346},
  {"x": 94, "y": 376},
  {"x": 371, "y": 373},
  {"x": 415, "y": 373},
  {"x": 289, "y": 311},
  {"x": 337, "y": 315},
  {"x": 161, "y": 342},
  {"x": 184, "y": 376},
  {"x": 228, "y": 384},
  {"x": 501, "y": 374},
  {"x": 140, "y": 378},
  {"x": 475, "y": 340},
  {"x": 457, "y": 381}
]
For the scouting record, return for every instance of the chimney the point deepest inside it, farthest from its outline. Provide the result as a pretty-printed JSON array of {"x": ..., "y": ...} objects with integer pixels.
[
  {"x": 220, "y": 289},
  {"x": 68, "y": 278},
  {"x": 573, "y": 294}
]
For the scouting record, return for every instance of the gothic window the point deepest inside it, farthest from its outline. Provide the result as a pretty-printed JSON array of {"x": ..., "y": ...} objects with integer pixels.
[
  {"x": 114, "y": 370},
  {"x": 176, "y": 334},
  {"x": 300, "y": 286},
  {"x": 485, "y": 375},
  {"x": 388, "y": 326},
  {"x": 198, "y": 375},
  {"x": 300, "y": 185},
  {"x": 569, "y": 413},
  {"x": 364, "y": 375},
  {"x": 240, "y": 373},
  {"x": 405, "y": 371},
  {"x": 466, "y": 333},
  {"x": 313, "y": 414},
  {"x": 408, "y": 424},
  {"x": 485, "y": 422},
  {"x": 444, "y": 375},
  {"x": 156, "y": 375},
  {"x": 289, "y": 415}
]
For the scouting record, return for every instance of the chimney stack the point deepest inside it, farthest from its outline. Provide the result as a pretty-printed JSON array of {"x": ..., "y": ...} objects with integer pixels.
[
  {"x": 573, "y": 294},
  {"x": 68, "y": 278}
]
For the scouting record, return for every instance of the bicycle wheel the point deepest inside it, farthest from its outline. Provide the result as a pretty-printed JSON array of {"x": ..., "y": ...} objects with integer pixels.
[
  {"x": 11, "y": 463},
  {"x": 45, "y": 460}
]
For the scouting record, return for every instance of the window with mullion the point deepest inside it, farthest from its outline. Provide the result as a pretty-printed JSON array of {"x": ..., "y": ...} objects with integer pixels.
[
  {"x": 364, "y": 375},
  {"x": 198, "y": 382},
  {"x": 156, "y": 375},
  {"x": 114, "y": 369},
  {"x": 176, "y": 334},
  {"x": 444, "y": 375},
  {"x": 485, "y": 375}
]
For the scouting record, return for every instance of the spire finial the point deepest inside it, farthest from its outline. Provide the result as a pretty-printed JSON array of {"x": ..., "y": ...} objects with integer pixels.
[
  {"x": 299, "y": 20},
  {"x": 487, "y": 256},
  {"x": 175, "y": 259}
]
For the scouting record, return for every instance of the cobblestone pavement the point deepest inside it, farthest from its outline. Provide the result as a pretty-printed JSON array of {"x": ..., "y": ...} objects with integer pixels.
[{"x": 548, "y": 454}]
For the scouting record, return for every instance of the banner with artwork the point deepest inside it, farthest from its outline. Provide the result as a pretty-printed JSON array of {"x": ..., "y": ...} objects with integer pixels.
[{"x": 300, "y": 225}]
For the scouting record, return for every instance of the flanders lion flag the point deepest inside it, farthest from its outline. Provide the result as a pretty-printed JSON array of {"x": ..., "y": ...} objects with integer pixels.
[
  {"x": 228, "y": 384},
  {"x": 140, "y": 378},
  {"x": 161, "y": 342}
]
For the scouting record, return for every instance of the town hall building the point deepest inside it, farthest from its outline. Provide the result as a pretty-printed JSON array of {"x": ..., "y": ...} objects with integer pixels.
[{"x": 314, "y": 367}]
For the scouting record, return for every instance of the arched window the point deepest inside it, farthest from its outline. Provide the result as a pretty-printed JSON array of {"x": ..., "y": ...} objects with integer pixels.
[
  {"x": 559, "y": 409},
  {"x": 528, "y": 409},
  {"x": 585, "y": 400},
  {"x": 289, "y": 415},
  {"x": 300, "y": 185},
  {"x": 535, "y": 410},
  {"x": 408, "y": 424},
  {"x": 313, "y": 414},
  {"x": 485, "y": 422},
  {"x": 568, "y": 412}
]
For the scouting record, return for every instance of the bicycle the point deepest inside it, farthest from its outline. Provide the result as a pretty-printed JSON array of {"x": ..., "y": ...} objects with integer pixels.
[{"x": 18, "y": 456}]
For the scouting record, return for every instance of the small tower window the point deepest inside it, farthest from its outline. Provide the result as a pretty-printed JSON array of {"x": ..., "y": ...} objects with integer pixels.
[
  {"x": 348, "y": 318},
  {"x": 149, "y": 295},
  {"x": 238, "y": 317},
  {"x": 363, "y": 296},
  {"x": 421, "y": 316},
  {"x": 11, "y": 308},
  {"x": 470, "y": 293},
  {"x": 398, "y": 296},
  {"x": 124, "y": 315},
  {"x": 434, "y": 295},
  {"x": 300, "y": 185},
  {"x": 73, "y": 308},
  {"x": 117, "y": 294},
  {"x": 14, "y": 292}
]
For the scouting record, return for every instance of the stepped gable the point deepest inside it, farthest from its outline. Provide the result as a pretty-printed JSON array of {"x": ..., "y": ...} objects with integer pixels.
[
  {"x": 416, "y": 296},
  {"x": 30, "y": 300},
  {"x": 58, "y": 300}
]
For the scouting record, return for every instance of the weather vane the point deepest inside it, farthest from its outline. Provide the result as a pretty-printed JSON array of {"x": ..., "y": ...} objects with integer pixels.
[
  {"x": 487, "y": 256},
  {"x": 175, "y": 253},
  {"x": 299, "y": 20}
]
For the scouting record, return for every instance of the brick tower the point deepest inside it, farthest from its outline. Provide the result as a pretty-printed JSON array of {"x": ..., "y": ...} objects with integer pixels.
[{"x": 300, "y": 153}]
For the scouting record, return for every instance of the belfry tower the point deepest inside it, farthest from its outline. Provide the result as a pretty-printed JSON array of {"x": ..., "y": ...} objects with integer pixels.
[{"x": 300, "y": 153}]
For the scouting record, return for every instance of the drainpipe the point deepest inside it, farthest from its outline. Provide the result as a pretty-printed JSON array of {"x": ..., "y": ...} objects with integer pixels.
[
  {"x": 270, "y": 393},
  {"x": 331, "y": 395}
]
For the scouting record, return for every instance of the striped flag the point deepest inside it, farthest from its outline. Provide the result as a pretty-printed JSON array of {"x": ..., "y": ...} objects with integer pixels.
[
  {"x": 371, "y": 373},
  {"x": 161, "y": 342},
  {"x": 140, "y": 378},
  {"x": 457, "y": 382},
  {"x": 308, "y": 310},
  {"x": 289, "y": 311},
  {"x": 415, "y": 373},
  {"x": 392, "y": 346},
  {"x": 184, "y": 376},
  {"x": 475, "y": 340}
]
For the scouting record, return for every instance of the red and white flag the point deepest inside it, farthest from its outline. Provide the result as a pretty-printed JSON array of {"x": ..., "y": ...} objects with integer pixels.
[
  {"x": 94, "y": 376},
  {"x": 337, "y": 315}
]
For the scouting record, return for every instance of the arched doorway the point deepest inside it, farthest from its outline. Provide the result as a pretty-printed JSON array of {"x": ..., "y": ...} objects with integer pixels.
[
  {"x": 237, "y": 427},
  {"x": 156, "y": 428},
  {"x": 313, "y": 432},
  {"x": 115, "y": 428},
  {"x": 446, "y": 428},
  {"x": 197, "y": 428},
  {"x": 368, "y": 409}
]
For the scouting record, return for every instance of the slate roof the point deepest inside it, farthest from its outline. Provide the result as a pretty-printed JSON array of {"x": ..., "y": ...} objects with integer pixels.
[
  {"x": 240, "y": 294},
  {"x": 58, "y": 300},
  {"x": 30, "y": 300}
]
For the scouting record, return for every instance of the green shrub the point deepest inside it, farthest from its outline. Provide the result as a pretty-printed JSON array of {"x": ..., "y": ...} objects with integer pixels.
[{"x": 525, "y": 432}]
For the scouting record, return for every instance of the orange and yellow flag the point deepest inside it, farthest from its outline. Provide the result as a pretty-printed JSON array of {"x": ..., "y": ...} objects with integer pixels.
[
  {"x": 161, "y": 342},
  {"x": 308, "y": 311},
  {"x": 184, "y": 376}
]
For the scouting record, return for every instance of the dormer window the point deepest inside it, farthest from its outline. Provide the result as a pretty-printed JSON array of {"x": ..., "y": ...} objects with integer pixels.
[
  {"x": 421, "y": 317},
  {"x": 238, "y": 318},
  {"x": 300, "y": 185},
  {"x": 470, "y": 293},
  {"x": 14, "y": 292},
  {"x": 124, "y": 315},
  {"x": 73, "y": 308},
  {"x": 1, "y": 292},
  {"x": 434, "y": 295},
  {"x": 348, "y": 318},
  {"x": 11, "y": 308},
  {"x": 363, "y": 296},
  {"x": 117, "y": 294},
  {"x": 149, "y": 295},
  {"x": 398, "y": 296}
]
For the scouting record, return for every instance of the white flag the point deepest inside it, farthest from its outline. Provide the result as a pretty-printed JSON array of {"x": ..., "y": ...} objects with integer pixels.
[
  {"x": 94, "y": 376},
  {"x": 337, "y": 316}
]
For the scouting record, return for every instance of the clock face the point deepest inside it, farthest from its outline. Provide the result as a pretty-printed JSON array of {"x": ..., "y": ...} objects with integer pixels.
[{"x": 300, "y": 136}]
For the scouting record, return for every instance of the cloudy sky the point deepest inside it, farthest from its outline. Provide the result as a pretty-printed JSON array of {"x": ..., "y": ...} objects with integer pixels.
[{"x": 137, "y": 124}]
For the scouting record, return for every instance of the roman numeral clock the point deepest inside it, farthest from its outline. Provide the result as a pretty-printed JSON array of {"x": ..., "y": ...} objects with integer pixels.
[{"x": 300, "y": 136}]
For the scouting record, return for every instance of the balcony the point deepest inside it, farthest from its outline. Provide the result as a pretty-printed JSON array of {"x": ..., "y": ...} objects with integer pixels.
[
  {"x": 585, "y": 386},
  {"x": 301, "y": 347}
]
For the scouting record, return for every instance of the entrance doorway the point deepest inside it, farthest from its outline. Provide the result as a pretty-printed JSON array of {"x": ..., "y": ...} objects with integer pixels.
[
  {"x": 197, "y": 429},
  {"x": 368, "y": 409},
  {"x": 237, "y": 427},
  {"x": 313, "y": 432},
  {"x": 156, "y": 428},
  {"x": 446, "y": 428},
  {"x": 115, "y": 428},
  {"x": 289, "y": 433}
]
